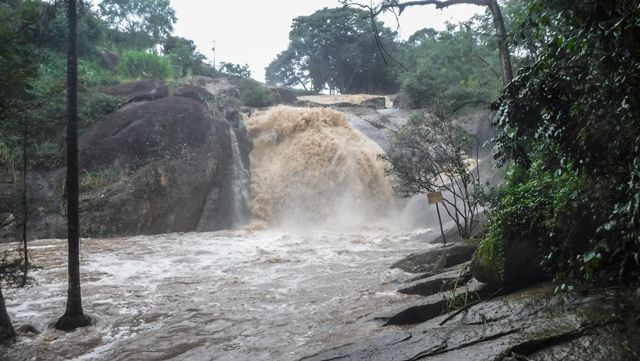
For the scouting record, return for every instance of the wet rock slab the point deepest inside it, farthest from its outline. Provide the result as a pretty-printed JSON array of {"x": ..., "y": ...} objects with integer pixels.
[
  {"x": 438, "y": 303},
  {"x": 436, "y": 259},
  {"x": 528, "y": 325},
  {"x": 429, "y": 284}
]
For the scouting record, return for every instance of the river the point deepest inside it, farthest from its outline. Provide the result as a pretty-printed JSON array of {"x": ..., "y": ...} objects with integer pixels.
[{"x": 229, "y": 295}]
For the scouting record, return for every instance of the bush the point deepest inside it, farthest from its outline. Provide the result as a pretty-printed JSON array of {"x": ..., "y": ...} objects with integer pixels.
[
  {"x": 140, "y": 64},
  {"x": 254, "y": 94},
  {"x": 549, "y": 211},
  {"x": 98, "y": 178},
  {"x": 47, "y": 154},
  {"x": 581, "y": 97}
]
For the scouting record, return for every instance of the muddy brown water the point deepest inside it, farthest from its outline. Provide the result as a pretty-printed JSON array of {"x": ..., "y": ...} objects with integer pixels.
[{"x": 231, "y": 295}]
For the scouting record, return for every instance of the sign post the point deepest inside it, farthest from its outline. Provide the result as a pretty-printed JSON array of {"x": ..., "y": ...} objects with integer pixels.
[{"x": 435, "y": 198}]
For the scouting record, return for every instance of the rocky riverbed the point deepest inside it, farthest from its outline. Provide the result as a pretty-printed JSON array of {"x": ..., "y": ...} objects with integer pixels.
[{"x": 459, "y": 318}]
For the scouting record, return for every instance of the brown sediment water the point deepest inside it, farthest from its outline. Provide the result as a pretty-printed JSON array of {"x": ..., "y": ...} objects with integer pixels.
[
  {"x": 229, "y": 295},
  {"x": 311, "y": 169},
  {"x": 314, "y": 277}
]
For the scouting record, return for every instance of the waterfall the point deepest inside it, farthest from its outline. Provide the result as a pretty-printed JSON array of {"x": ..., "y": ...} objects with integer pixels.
[
  {"x": 241, "y": 183},
  {"x": 311, "y": 169}
]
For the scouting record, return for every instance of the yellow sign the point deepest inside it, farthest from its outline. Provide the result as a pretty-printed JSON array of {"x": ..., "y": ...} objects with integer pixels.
[{"x": 434, "y": 197}]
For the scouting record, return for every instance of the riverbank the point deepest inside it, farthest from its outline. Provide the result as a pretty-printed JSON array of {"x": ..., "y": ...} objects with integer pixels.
[{"x": 459, "y": 318}]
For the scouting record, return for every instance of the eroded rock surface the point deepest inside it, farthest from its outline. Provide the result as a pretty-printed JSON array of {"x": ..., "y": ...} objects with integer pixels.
[
  {"x": 437, "y": 258},
  {"x": 528, "y": 325}
]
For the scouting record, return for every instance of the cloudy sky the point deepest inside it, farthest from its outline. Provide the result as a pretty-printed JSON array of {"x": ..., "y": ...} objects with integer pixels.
[{"x": 254, "y": 31}]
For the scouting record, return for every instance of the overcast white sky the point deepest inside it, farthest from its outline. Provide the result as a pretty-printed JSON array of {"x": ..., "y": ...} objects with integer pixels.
[{"x": 254, "y": 31}]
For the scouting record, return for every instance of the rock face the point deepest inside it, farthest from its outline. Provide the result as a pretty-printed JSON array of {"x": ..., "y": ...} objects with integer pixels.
[
  {"x": 162, "y": 163},
  {"x": 9, "y": 206},
  {"x": 528, "y": 325},
  {"x": 522, "y": 266},
  {"x": 109, "y": 60},
  {"x": 437, "y": 258},
  {"x": 168, "y": 156}
]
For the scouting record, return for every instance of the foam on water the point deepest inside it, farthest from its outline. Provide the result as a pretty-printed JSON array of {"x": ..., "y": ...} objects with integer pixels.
[
  {"x": 310, "y": 282},
  {"x": 226, "y": 295}
]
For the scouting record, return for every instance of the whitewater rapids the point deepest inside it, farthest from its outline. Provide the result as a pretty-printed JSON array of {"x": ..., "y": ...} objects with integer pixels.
[
  {"x": 310, "y": 272},
  {"x": 231, "y": 295}
]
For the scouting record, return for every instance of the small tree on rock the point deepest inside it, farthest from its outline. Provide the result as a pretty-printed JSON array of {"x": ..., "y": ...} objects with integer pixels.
[{"x": 429, "y": 154}]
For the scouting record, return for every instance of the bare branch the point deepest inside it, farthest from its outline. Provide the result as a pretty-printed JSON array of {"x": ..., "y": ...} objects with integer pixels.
[{"x": 439, "y": 4}]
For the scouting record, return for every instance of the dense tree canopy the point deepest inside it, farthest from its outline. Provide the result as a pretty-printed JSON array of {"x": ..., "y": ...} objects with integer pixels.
[
  {"x": 151, "y": 21},
  {"x": 449, "y": 68},
  {"x": 335, "y": 49}
]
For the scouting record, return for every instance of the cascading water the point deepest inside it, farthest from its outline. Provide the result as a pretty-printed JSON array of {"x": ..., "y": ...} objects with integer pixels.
[
  {"x": 241, "y": 181},
  {"x": 320, "y": 189},
  {"x": 311, "y": 169}
]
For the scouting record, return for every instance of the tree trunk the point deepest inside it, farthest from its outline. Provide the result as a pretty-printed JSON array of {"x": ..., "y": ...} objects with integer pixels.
[
  {"x": 74, "y": 316},
  {"x": 6, "y": 327},
  {"x": 25, "y": 135},
  {"x": 503, "y": 45}
]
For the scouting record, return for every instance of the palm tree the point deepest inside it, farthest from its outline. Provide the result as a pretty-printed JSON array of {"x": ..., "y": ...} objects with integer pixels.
[{"x": 74, "y": 316}]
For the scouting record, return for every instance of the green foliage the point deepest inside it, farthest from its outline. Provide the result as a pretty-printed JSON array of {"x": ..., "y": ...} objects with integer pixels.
[
  {"x": 238, "y": 70},
  {"x": 546, "y": 208},
  {"x": 254, "y": 94},
  {"x": 98, "y": 178},
  {"x": 145, "y": 22},
  {"x": 10, "y": 155},
  {"x": 53, "y": 29},
  {"x": 335, "y": 49},
  {"x": 581, "y": 98},
  {"x": 143, "y": 65},
  {"x": 449, "y": 68},
  {"x": 184, "y": 55},
  {"x": 44, "y": 110},
  {"x": 47, "y": 117},
  {"x": 17, "y": 66}
]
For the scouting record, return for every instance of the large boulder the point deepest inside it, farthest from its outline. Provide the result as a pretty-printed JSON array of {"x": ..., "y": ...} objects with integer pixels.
[
  {"x": 519, "y": 266},
  {"x": 531, "y": 324},
  {"x": 162, "y": 160},
  {"x": 142, "y": 90},
  {"x": 162, "y": 163}
]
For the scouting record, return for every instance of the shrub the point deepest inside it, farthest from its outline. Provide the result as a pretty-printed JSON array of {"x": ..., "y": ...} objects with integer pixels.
[
  {"x": 10, "y": 155},
  {"x": 549, "y": 210},
  {"x": 141, "y": 64},
  {"x": 254, "y": 94},
  {"x": 98, "y": 178},
  {"x": 47, "y": 154}
]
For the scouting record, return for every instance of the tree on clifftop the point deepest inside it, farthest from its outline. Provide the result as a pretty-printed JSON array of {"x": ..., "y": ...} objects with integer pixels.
[
  {"x": 335, "y": 49},
  {"x": 149, "y": 21},
  {"x": 492, "y": 5}
]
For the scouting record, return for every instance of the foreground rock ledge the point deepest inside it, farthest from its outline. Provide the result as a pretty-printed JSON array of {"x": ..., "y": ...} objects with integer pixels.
[{"x": 531, "y": 324}]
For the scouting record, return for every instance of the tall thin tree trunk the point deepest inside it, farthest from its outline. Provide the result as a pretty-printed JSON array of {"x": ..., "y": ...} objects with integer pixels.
[
  {"x": 25, "y": 214},
  {"x": 74, "y": 316},
  {"x": 503, "y": 45},
  {"x": 6, "y": 327}
]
